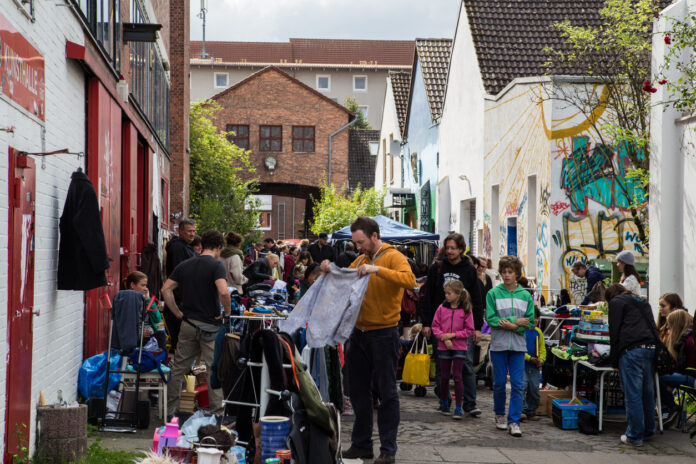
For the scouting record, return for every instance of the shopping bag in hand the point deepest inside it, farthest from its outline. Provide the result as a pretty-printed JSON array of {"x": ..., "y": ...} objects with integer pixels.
[{"x": 417, "y": 365}]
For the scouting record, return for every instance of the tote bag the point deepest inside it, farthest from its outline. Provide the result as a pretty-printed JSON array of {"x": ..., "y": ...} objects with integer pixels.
[{"x": 417, "y": 364}]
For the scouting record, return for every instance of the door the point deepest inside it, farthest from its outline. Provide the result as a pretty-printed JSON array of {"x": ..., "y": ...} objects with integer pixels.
[
  {"x": 130, "y": 249},
  {"x": 20, "y": 274},
  {"x": 512, "y": 236},
  {"x": 104, "y": 170}
]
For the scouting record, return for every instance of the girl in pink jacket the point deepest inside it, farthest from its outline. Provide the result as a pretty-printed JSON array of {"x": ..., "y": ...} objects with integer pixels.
[{"x": 453, "y": 324}]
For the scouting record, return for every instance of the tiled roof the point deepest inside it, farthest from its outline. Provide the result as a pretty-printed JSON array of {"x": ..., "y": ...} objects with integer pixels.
[
  {"x": 433, "y": 56},
  {"x": 396, "y": 53},
  {"x": 361, "y": 165},
  {"x": 510, "y": 36},
  {"x": 401, "y": 85}
]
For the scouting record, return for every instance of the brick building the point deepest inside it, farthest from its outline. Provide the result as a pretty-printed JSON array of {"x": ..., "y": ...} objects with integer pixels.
[
  {"x": 287, "y": 125},
  {"x": 84, "y": 87}
]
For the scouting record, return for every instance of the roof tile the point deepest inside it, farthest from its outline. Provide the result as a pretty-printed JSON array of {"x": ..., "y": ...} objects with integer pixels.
[
  {"x": 361, "y": 165},
  {"x": 434, "y": 56},
  {"x": 401, "y": 85}
]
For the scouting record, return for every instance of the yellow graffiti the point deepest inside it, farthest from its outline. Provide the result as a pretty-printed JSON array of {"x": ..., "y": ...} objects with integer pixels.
[{"x": 595, "y": 114}]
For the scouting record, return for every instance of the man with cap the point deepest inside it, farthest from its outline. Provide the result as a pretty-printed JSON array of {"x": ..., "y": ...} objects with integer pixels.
[
  {"x": 630, "y": 278},
  {"x": 321, "y": 250}
]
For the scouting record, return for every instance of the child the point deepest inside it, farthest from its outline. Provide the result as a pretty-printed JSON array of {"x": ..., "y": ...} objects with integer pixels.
[
  {"x": 533, "y": 359},
  {"x": 509, "y": 312},
  {"x": 453, "y": 324},
  {"x": 137, "y": 281}
]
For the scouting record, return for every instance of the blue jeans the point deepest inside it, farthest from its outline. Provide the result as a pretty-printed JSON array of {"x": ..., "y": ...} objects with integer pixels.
[
  {"x": 530, "y": 400},
  {"x": 504, "y": 362},
  {"x": 637, "y": 372},
  {"x": 672, "y": 380}
]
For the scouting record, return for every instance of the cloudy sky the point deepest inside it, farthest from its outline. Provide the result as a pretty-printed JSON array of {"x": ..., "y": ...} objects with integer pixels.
[{"x": 278, "y": 20}]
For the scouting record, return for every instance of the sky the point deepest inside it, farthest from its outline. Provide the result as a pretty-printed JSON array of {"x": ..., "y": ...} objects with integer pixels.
[{"x": 278, "y": 20}]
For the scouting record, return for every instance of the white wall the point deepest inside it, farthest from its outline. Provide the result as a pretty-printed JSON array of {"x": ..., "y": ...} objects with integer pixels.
[
  {"x": 58, "y": 331},
  {"x": 389, "y": 146}
]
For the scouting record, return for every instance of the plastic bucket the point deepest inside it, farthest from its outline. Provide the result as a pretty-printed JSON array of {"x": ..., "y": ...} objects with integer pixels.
[{"x": 274, "y": 432}]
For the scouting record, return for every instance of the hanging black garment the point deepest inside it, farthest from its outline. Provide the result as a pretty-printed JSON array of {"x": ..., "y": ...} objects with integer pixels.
[
  {"x": 151, "y": 266},
  {"x": 82, "y": 256}
]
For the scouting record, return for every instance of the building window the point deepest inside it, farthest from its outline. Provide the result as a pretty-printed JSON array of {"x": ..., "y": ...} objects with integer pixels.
[
  {"x": 265, "y": 220},
  {"x": 164, "y": 203},
  {"x": 271, "y": 138},
  {"x": 363, "y": 110},
  {"x": 241, "y": 135},
  {"x": 303, "y": 139},
  {"x": 103, "y": 18},
  {"x": 324, "y": 83},
  {"x": 221, "y": 80},
  {"x": 359, "y": 83}
]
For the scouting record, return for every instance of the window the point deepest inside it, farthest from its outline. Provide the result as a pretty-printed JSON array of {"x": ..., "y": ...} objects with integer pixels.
[
  {"x": 265, "y": 220},
  {"x": 221, "y": 80},
  {"x": 164, "y": 202},
  {"x": 324, "y": 83},
  {"x": 241, "y": 135},
  {"x": 303, "y": 139},
  {"x": 360, "y": 83},
  {"x": 103, "y": 18},
  {"x": 271, "y": 138},
  {"x": 363, "y": 110}
]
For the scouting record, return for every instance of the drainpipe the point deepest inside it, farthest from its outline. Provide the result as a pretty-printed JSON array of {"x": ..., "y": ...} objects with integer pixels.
[{"x": 355, "y": 118}]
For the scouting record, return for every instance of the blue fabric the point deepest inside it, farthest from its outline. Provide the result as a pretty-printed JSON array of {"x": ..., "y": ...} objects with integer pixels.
[
  {"x": 505, "y": 362},
  {"x": 637, "y": 371},
  {"x": 672, "y": 380},
  {"x": 530, "y": 400},
  {"x": 532, "y": 336},
  {"x": 391, "y": 231}
]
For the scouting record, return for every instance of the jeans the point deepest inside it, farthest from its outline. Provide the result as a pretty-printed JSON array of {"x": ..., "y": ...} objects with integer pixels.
[
  {"x": 673, "y": 381},
  {"x": 372, "y": 357},
  {"x": 530, "y": 400},
  {"x": 637, "y": 372},
  {"x": 468, "y": 377},
  {"x": 504, "y": 362},
  {"x": 452, "y": 367}
]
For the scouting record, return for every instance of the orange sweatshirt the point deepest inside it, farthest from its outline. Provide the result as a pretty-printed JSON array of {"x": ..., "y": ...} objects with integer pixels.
[{"x": 381, "y": 307}]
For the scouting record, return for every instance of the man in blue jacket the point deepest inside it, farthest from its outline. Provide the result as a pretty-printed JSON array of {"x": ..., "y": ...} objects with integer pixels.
[{"x": 591, "y": 273}]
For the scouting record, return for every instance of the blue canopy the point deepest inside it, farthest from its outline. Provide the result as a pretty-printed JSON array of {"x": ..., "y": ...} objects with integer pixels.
[{"x": 393, "y": 232}]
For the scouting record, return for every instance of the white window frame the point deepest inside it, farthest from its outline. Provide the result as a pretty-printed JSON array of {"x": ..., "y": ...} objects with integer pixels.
[
  {"x": 365, "y": 110},
  {"x": 227, "y": 77},
  {"x": 328, "y": 89},
  {"x": 356, "y": 89}
]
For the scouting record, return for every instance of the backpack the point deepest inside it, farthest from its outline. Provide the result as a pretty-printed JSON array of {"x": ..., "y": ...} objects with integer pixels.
[
  {"x": 150, "y": 362},
  {"x": 411, "y": 302}
]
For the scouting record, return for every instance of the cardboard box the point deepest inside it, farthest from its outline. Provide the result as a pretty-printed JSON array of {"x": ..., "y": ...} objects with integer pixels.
[{"x": 545, "y": 398}]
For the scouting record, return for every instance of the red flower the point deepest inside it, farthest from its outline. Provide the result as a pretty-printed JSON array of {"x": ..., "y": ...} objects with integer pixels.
[
  {"x": 662, "y": 82},
  {"x": 668, "y": 40},
  {"x": 653, "y": 90}
]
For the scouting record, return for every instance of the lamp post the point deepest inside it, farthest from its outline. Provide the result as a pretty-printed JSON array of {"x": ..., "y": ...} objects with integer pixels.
[{"x": 202, "y": 16}]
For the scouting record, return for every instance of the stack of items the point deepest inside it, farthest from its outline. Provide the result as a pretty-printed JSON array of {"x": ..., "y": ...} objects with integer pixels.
[{"x": 187, "y": 403}]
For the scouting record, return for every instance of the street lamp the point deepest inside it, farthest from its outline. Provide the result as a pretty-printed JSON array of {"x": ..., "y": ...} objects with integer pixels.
[
  {"x": 202, "y": 16},
  {"x": 374, "y": 147}
]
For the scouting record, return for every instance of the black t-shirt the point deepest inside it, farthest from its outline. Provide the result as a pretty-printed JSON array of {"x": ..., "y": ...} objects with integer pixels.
[{"x": 199, "y": 295}]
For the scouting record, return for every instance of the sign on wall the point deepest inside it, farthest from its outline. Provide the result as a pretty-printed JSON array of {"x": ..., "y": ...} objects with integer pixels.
[{"x": 21, "y": 71}]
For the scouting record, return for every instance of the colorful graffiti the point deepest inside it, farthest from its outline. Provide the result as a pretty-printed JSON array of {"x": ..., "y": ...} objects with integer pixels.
[
  {"x": 545, "y": 198},
  {"x": 541, "y": 251},
  {"x": 598, "y": 174},
  {"x": 558, "y": 207}
]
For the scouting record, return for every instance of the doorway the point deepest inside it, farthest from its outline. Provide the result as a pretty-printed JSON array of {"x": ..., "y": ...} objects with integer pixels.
[{"x": 512, "y": 236}]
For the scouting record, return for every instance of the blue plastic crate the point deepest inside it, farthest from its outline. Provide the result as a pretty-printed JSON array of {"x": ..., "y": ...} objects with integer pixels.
[{"x": 565, "y": 414}]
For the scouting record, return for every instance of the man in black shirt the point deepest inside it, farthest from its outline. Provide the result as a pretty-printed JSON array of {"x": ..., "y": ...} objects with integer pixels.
[
  {"x": 454, "y": 264},
  {"x": 178, "y": 251},
  {"x": 321, "y": 250},
  {"x": 203, "y": 286}
]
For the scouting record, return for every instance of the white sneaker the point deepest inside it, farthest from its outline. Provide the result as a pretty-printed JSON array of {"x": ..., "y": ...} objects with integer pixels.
[
  {"x": 515, "y": 430},
  {"x": 501, "y": 422}
]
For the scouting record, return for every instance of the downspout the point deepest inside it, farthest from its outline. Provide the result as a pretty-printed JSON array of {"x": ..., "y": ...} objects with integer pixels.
[{"x": 355, "y": 118}]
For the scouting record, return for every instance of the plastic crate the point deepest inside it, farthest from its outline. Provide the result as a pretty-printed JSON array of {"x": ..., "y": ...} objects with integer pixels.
[{"x": 565, "y": 414}]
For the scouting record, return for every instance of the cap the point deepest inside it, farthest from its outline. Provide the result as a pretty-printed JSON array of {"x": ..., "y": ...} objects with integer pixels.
[
  {"x": 626, "y": 257},
  {"x": 323, "y": 235}
]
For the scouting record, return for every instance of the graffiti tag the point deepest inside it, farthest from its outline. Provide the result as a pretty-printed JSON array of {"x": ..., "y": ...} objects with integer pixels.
[
  {"x": 558, "y": 207},
  {"x": 545, "y": 198}
]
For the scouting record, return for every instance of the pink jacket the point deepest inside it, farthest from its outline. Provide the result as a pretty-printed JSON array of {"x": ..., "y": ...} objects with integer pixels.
[{"x": 449, "y": 320}]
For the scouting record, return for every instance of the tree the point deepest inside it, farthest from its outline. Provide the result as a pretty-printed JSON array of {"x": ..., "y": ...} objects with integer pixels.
[
  {"x": 220, "y": 198},
  {"x": 616, "y": 54},
  {"x": 352, "y": 105},
  {"x": 680, "y": 41},
  {"x": 336, "y": 209}
]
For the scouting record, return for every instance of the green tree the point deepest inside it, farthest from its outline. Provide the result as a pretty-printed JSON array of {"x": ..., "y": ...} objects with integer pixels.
[
  {"x": 336, "y": 208},
  {"x": 681, "y": 41},
  {"x": 616, "y": 54},
  {"x": 220, "y": 197},
  {"x": 352, "y": 105}
]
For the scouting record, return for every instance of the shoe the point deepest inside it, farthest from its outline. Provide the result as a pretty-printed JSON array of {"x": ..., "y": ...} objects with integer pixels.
[
  {"x": 444, "y": 408},
  {"x": 385, "y": 459},
  {"x": 514, "y": 429},
  {"x": 523, "y": 417},
  {"x": 501, "y": 422},
  {"x": 668, "y": 418},
  {"x": 347, "y": 407},
  {"x": 474, "y": 412},
  {"x": 533, "y": 417},
  {"x": 457, "y": 413},
  {"x": 628, "y": 441},
  {"x": 358, "y": 453}
]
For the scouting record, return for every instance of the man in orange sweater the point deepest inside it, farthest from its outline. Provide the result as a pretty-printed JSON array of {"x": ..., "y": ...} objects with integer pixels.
[{"x": 373, "y": 347}]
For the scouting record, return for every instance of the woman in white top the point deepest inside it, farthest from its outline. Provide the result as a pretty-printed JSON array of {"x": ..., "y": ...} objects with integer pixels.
[{"x": 629, "y": 276}]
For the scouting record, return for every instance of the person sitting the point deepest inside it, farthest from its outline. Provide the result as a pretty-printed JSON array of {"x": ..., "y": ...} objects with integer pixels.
[
  {"x": 593, "y": 276},
  {"x": 261, "y": 270},
  {"x": 667, "y": 303},
  {"x": 681, "y": 344}
]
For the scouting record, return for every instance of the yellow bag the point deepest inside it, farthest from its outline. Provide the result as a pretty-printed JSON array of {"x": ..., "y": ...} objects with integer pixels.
[{"x": 417, "y": 364}]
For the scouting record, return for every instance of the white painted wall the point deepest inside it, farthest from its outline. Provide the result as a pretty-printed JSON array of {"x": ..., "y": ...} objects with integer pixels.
[
  {"x": 58, "y": 331},
  {"x": 461, "y": 137}
]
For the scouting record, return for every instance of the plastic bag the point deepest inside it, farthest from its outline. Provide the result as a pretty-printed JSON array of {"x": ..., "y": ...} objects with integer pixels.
[
  {"x": 417, "y": 365},
  {"x": 195, "y": 422},
  {"x": 152, "y": 345},
  {"x": 90, "y": 380}
]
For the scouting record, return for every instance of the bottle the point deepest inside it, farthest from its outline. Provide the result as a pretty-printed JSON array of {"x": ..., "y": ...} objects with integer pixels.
[{"x": 61, "y": 401}]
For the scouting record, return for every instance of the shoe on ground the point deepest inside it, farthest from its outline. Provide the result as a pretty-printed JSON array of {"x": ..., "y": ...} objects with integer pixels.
[
  {"x": 358, "y": 453},
  {"x": 514, "y": 430},
  {"x": 533, "y": 417},
  {"x": 627, "y": 441},
  {"x": 444, "y": 408},
  {"x": 347, "y": 407},
  {"x": 457, "y": 413},
  {"x": 669, "y": 417},
  {"x": 501, "y": 422},
  {"x": 473, "y": 412},
  {"x": 523, "y": 417},
  {"x": 385, "y": 459}
]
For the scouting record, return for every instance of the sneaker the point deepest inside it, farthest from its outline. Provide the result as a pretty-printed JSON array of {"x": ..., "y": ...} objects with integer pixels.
[
  {"x": 514, "y": 429},
  {"x": 474, "y": 412},
  {"x": 358, "y": 453},
  {"x": 385, "y": 459},
  {"x": 668, "y": 418},
  {"x": 523, "y": 417},
  {"x": 457, "y": 413},
  {"x": 444, "y": 408},
  {"x": 501, "y": 422},
  {"x": 627, "y": 441}
]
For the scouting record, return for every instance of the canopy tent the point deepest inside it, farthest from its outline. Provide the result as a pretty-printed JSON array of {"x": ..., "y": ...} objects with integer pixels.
[{"x": 392, "y": 232}]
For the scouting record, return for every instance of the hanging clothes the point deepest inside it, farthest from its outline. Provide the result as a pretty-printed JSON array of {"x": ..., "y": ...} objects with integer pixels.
[
  {"x": 82, "y": 256},
  {"x": 151, "y": 266}
]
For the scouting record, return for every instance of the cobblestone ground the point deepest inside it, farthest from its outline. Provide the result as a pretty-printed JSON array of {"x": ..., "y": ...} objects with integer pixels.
[{"x": 424, "y": 432}]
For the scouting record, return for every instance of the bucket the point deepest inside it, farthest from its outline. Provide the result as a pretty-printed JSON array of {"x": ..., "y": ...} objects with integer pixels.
[
  {"x": 209, "y": 455},
  {"x": 274, "y": 432}
]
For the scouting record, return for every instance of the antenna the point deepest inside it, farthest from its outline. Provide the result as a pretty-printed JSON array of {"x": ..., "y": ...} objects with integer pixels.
[{"x": 202, "y": 16}]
